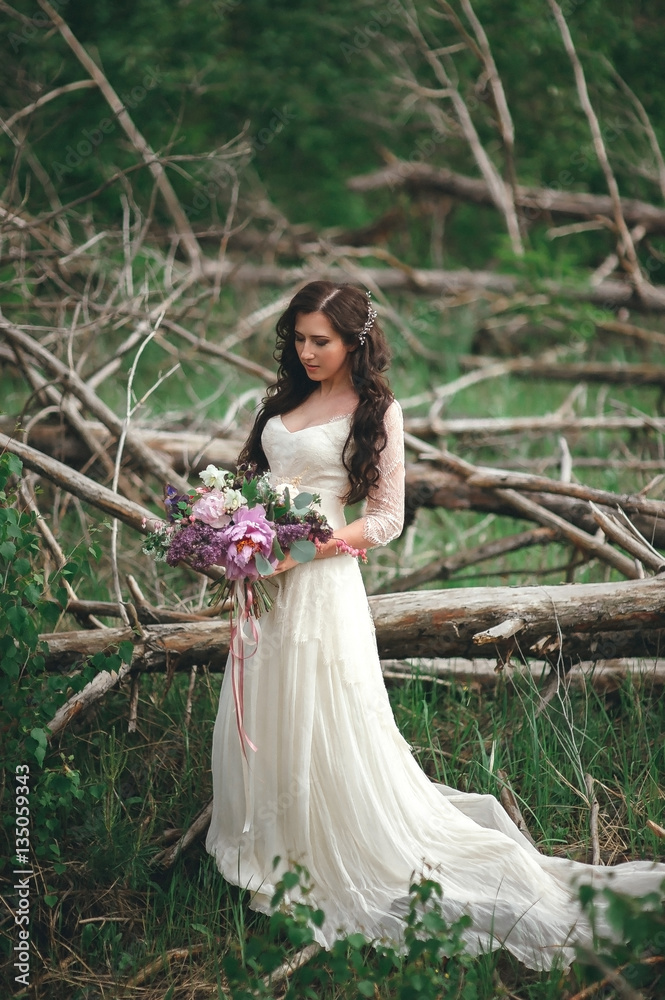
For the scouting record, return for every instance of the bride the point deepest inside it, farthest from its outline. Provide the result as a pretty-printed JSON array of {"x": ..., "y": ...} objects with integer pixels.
[{"x": 332, "y": 784}]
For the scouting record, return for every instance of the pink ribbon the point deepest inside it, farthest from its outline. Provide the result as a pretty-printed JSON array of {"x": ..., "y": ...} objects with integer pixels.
[{"x": 243, "y": 600}]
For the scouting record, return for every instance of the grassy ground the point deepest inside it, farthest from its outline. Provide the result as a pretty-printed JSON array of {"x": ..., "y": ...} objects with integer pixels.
[
  {"x": 116, "y": 915},
  {"x": 111, "y": 913}
]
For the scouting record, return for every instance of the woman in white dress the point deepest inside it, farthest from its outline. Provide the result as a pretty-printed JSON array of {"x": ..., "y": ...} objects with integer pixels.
[{"x": 332, "y": 784}]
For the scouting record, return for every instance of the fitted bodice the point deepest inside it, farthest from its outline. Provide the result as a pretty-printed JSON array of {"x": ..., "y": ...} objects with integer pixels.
[{"x": 312, "y": 458}]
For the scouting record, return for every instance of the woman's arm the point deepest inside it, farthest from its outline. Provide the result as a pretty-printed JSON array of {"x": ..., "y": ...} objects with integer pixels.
[{"x": 383, "y": 518}]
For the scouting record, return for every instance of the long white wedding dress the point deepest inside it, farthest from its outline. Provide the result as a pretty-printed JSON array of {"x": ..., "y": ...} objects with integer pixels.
[{"x": 333, "y": 785}]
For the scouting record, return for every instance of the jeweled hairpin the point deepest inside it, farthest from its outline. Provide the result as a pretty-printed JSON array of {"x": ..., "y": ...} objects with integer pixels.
[{"x": 369, "y": 322}]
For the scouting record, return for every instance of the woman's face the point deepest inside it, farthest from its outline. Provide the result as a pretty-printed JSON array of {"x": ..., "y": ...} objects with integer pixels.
[{"x": 321, "y": 350}]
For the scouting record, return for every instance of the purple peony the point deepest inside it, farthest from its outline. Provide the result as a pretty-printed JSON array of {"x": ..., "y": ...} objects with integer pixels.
[
  {"x": 250, "y": 533},
  {"x": 210, "y": 509}
]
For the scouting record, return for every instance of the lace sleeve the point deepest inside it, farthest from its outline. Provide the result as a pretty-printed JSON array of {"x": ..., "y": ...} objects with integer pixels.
[{"x": 384, "y": 513}]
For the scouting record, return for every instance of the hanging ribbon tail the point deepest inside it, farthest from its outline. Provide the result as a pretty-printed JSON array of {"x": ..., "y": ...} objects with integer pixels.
[{"x": 242, "y": 614}]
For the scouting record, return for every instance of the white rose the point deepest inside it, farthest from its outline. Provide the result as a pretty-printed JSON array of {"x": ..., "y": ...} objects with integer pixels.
[
  {"x": 233, "y": 500},
  {"x": 293, "y": 490},
  {"x": 214, "y": 478}
]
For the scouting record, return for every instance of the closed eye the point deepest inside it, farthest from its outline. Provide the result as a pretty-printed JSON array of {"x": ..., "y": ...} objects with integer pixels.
[{"x": 319, "y": 343}]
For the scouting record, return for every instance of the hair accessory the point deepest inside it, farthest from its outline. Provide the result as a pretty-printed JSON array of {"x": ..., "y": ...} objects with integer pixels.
[{"x": 369, "y": 322}]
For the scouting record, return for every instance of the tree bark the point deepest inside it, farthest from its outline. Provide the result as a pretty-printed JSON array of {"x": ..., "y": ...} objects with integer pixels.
[
  {"x": 433, "y": 282},
  {"x": 431, "y": 487},
  {"x": 593, "y": 621},
  {"x": 617, "y": 373},
  {"x": 536, "y": 202}
]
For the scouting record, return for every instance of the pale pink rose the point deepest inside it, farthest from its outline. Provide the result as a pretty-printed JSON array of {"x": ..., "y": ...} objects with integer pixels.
[{"x": 210, "y": 509}]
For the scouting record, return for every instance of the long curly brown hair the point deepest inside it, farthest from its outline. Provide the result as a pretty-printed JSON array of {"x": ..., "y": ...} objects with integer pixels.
[{"x": 346, "y": 308}]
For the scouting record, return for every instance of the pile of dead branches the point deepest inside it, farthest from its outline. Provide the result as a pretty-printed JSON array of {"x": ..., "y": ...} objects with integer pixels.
[{"x": 77, "y": 314}]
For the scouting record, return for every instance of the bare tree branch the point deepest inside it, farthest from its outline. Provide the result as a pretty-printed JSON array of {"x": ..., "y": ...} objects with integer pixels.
[
  {"x": 140, "y": 144},
  {"x": 68, "y": 88},
  {"x": 627, "y": 247}
]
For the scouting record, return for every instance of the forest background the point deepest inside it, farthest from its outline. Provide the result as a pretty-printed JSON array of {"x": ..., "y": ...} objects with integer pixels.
[{"x": 268, "y": 119}]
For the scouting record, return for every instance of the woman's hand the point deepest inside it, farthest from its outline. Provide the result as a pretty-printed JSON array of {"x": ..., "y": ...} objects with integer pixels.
[{"x": 287, "y": 563}]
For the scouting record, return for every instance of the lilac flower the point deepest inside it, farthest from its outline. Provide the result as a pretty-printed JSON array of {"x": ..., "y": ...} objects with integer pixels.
[
  {"x": 288, "y": 533},
  {"x": 250, "y": 533},
  {"x": 203, "y": 545}
]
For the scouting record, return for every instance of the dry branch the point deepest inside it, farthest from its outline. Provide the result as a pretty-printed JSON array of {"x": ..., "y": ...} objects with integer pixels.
[
  {"x": 617, "y": 373},
  {"x": 550, "y": 423},
  {"x": 431, "y": 487},
  {"x": 81, "y": 486},
  {"x": 200, "y": 824},
  {"x": 434, "y": 282},
  {"x": 625, "y": 246},
  {"x": 537, "y": 201},
  {"x": 540, "y": 484},
  {"x": 509, "y": 802},
  {"x": 602, "y": 675},
  {"x": 431, "y": 623},
  {"x": 531, "y": 509},
  {"x": 444, "y": 567},
  {"x": 500, "y": 192},
  {"x": 94, "y": 690},
  {"x": 594, "y": 809},
  {"x": 139, "y": 143},
  {"x": 629, "y": 543},
  {"x": 182, "y": 447},
  {"x": 73, "y": 383}
]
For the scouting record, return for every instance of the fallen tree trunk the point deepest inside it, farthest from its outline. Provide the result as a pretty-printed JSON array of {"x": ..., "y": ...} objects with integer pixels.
[
  {"x": 430, "y": 487},
  {"x": 435, "y": 282},
  {"x": 181, "y": 447},
  {"x": 81, "y": 486},
  {"x": 615, "y": 373},
  {"x": 72, "y": 382},
  {"x": 548, "y": 424},
  {"x": 602, "y": 675},
  {"x": 186, "y": 448},
  {"x": 536, "y": 202},
  {"x": 594, "y": 621}
]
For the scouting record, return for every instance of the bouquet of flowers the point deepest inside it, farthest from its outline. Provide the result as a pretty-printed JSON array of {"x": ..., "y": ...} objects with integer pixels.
[{"x": 242, "y": 523}]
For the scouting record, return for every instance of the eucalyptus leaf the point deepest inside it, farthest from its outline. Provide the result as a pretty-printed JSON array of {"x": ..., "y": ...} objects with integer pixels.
[
  {"x": 264, "y": 567},
  {"x": 303, "y": 500},
  {"x": 302, "y": 550}
]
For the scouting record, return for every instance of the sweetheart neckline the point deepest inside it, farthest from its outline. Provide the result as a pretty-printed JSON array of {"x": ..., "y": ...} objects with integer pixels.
[{"x": 341, "y": 416}]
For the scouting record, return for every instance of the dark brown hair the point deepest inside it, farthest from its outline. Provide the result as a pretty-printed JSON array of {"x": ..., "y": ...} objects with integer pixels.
[{"x": 346, "y": 308}]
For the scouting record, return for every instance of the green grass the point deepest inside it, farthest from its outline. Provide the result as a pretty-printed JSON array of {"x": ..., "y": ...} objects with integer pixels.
[{"x": 115, "y": 912}]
